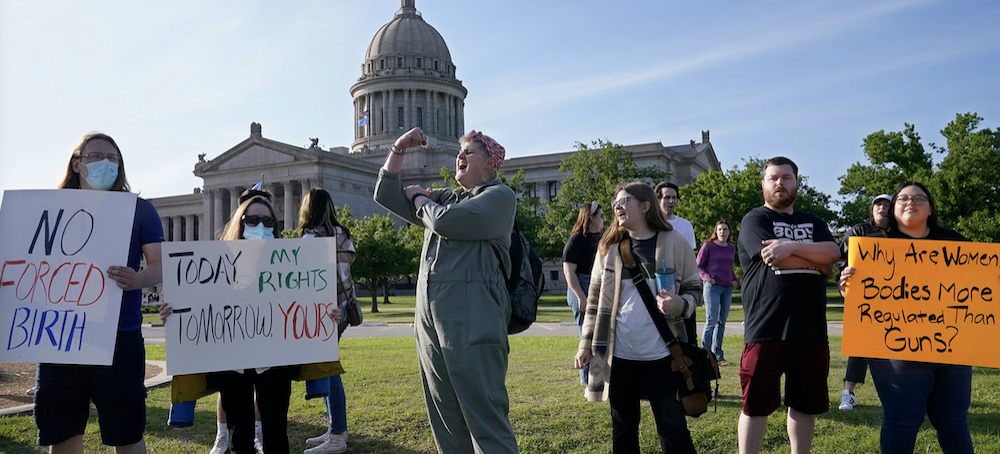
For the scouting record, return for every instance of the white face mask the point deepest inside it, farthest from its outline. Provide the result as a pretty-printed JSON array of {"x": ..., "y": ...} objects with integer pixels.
[
  {"x": 258, "y": 232},
  {"x": 101, "y": 175}
]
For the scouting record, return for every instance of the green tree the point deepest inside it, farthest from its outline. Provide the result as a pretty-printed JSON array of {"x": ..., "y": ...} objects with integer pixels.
[
  {"x": 594, "y": 172},
  {"x": 965, "y": 186},
  {"x": 894, "y": 157},
  {"x": 383, "y": 253},
  {"x": 732, "y": 193}
]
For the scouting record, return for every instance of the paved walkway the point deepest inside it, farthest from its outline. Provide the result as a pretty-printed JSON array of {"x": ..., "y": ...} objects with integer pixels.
[{"x": 153, "y": 335}]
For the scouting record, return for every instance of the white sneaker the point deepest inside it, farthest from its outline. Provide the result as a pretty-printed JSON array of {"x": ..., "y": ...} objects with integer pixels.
[
  {"x": 334, "y": 443},
  {"x": 847, "y": 400},
  {"x": 316, "y": 441},
  {"x": 221, "y": 444}
]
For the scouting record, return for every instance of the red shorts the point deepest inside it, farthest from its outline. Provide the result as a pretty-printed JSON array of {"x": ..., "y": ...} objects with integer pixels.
[{"x": 806, "y": 367}]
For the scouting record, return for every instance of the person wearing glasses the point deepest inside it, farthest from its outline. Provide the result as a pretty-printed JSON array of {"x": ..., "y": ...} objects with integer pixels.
[
  {"x": 909, "y": 390},
  {"x": 578, "y": 260},
  {"x": 271, "y": 387},
  {"x": 619, "y": 330},
  {"x": 463, "y": 307},
  {"x": 62, "y": 401}
]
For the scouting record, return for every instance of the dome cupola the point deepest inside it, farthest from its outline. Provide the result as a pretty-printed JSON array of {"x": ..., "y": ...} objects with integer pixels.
[{"x": 408, "y": 44}]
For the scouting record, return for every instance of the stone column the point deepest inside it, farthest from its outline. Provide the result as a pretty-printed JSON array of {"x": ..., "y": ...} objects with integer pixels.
[
  {"x": 166, "y": 227},
  {"x": 234, "y": 200},
  {"x": 406, "y": 110},
  {"x": 217, "y": 216},
  {"x": 289, "y": 214},
  {"x": 189, "y": 228},
  {"x": 460, "y": 118},
  {"x": 206, "y": 229},
  {"x": 449, "y": 129},
  {"x": 385, "y": 110},
  {"x": 178, "y": 227},
  {"x": 391, "y": 111}
]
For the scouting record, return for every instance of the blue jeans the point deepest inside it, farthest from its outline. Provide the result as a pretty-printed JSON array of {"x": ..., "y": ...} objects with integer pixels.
[
  {"x": 574, "y": 303},
  {"x": 336, "y": 405},
  {"x": 909, "y": 390},
  {"x": 718, "y": 299}
]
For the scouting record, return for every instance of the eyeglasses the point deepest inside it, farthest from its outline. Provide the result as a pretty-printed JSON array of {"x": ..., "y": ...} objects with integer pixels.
[
  {"x": 88, "y": 158},
  {"x": 254, "y": 220},
  {"x": 622, "y": 201},
  {"x": 917, "y": 199}
]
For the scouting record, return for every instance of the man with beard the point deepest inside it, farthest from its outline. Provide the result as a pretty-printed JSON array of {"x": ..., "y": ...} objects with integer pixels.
[
  {"x": 874, "y": 227},
  {"x": 787, "y": 256}
]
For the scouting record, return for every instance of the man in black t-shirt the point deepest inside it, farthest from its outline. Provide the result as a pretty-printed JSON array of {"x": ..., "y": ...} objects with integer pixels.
[{"x": 786, "y": 257}]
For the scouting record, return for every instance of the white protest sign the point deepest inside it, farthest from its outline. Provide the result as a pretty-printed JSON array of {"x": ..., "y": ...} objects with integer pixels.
[
  {"x": 57, "y": 303},
  {"x": 249, "y": 303}
]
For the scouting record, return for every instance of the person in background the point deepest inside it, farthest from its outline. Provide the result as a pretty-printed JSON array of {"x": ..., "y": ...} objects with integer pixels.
[
  {"x": 786, "y": 255},
  {"x": 874, "y": 227},
  {"x": 909, "y": 390},
  {"x": 669, "y": 195},
  {"x": 619, "y": 332},
  {"x": 318, "y": 218},
  {"x": 65, "y": 391},
  {"x": 578, "y": 259},
  {"x": 715, "y": 267},
  {"x": 463, "y": 307}
]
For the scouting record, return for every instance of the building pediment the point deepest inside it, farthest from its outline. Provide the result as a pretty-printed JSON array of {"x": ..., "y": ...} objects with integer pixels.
[{"x": 254, "y": 153}]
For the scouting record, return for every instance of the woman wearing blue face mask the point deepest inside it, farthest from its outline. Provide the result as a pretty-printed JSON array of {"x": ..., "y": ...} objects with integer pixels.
[{"x": 62, "y": 402}]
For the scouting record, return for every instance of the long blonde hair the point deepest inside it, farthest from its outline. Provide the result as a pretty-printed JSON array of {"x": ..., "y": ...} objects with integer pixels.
[{"x": 654, "y": 215}]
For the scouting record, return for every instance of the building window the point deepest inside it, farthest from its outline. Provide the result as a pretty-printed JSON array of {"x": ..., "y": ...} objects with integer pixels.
[
  {"x": 399, "y": 62},
  {"x": 554, "y": 189},
  {"x": 420, "y": 117},
  {"x": 197, "y": 227},
  {"x": 420, "y": 63},
  {"x": 554, "y": 275},
  {"x": 399, "y": 117},
  {"x": 381, "y": 64},
  {"x": 437, "y": 120},
  {"x": 381, "y": 119},
  {"x": 435, "y": 65},
  {"x": 532, "y": 189},
  {"x": 170, "y": 229}
]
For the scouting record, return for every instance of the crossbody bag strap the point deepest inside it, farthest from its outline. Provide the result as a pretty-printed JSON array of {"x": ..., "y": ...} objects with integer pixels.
[{"x": 679, "y": 361}]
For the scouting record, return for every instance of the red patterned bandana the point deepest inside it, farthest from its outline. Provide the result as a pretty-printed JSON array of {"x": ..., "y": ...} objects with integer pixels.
[{"x": 493, "y": 148}]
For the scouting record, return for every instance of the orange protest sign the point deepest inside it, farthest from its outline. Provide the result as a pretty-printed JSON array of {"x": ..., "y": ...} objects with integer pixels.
[{"x": 923, "y": 300}]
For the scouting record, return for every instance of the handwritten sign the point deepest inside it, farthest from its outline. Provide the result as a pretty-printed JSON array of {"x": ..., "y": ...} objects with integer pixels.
[
  {"x": 923, "y": 300},
  {"x": 57, "y": 304},
  {"x": 249, "y": 303}
]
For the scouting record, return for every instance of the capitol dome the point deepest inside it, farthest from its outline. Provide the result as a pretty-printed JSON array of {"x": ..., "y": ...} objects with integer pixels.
[
  {"x": 408, "y": 80},
  {"x": 408, "y": 43}
]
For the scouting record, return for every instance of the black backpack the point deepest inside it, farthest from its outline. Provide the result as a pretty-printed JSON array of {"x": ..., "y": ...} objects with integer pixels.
[{"x": 525, "y": 284}]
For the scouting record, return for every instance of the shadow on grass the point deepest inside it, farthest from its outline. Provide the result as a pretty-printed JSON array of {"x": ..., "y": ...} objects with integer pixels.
[{"x": 10, "y": 446}]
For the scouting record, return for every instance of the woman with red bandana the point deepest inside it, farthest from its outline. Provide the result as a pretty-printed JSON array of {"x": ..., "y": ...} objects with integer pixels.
[{"x": 462, "y": 303}]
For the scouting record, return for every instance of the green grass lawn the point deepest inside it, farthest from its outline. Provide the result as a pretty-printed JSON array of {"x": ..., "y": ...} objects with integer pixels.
[
  {"x": 386, "y": 411},
  {"x": 553, "y": 309}
]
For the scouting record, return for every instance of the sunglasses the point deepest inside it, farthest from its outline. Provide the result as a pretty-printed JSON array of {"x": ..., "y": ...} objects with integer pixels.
[{"x": 254, "y": 220}]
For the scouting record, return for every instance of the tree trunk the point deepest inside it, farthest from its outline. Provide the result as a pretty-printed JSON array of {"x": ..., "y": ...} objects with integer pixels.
[
  {"x": 385, "y": 291},
  {"x": 372, "y": 289}
]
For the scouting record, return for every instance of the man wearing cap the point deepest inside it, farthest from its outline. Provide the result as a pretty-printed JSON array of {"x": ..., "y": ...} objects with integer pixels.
[{"x": 874, "y": 227}]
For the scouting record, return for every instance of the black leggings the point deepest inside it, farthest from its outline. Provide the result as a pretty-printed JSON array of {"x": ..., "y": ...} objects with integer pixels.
[{"x": 273, "y": 390}]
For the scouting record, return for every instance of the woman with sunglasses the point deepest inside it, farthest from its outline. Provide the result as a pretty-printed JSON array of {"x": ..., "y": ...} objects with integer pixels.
[
  {"x": 578, "y": 260},
  {"x": 619, "y": 329},
  {"x": 254, "y": 219},
  {"x": 910, "y": 389},
  {"x": 62, "y": 401}
]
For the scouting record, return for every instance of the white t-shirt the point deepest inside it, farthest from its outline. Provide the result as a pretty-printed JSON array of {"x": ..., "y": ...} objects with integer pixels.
[
  {"x": 685, "y": 228},
  {"x": 634, "y": 327}
]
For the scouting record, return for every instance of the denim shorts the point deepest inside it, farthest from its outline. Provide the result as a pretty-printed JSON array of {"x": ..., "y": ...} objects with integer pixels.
[{"x": 62, "y": 403}]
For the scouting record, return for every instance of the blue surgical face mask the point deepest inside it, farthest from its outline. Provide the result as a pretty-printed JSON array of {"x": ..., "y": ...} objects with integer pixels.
[
  {"x": 258, "y": 232},
  {"x": 101, "y": 175}
]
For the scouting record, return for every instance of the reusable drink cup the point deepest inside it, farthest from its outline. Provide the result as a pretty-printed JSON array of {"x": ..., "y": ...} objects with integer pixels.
[{"x": 665, "y": 281}]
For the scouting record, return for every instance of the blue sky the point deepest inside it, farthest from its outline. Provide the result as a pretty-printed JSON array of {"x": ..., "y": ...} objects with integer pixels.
[{"x": 808, "y": 80}]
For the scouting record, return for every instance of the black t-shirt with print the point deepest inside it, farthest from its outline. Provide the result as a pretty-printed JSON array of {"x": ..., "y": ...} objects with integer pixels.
[{"x": 781, "y": 305}]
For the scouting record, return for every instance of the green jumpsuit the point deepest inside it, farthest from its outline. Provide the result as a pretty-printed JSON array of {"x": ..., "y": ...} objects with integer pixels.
[{"x": 462, "y": 311}]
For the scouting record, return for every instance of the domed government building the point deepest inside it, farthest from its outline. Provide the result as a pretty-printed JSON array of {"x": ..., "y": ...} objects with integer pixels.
[{"x": 407, "y": 79}]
